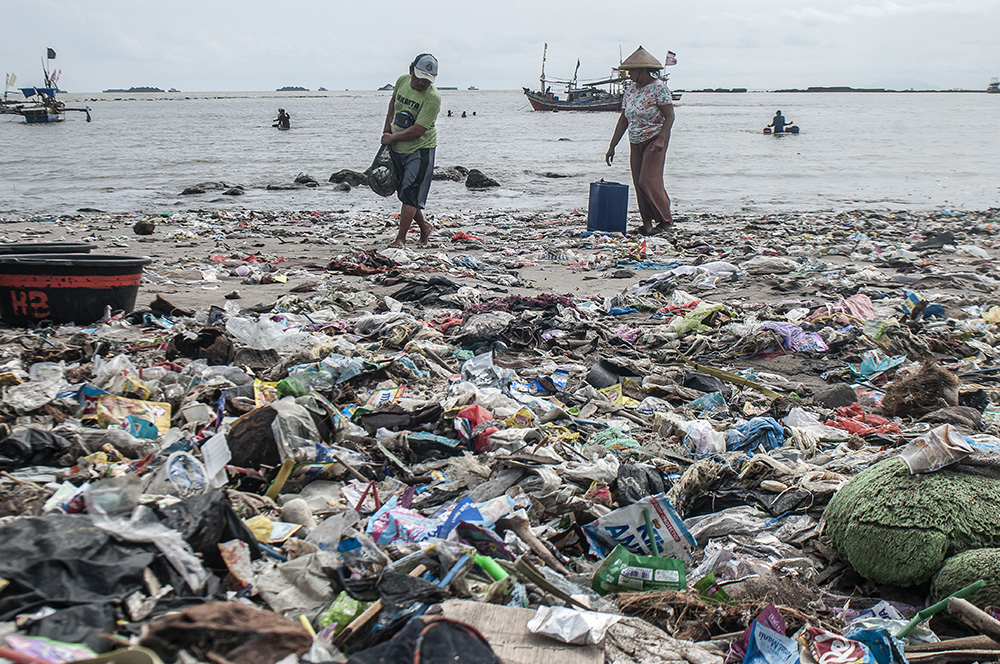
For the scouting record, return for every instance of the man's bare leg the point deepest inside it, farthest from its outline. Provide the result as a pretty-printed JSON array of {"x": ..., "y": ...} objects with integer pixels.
[
  {"x": 406, "y": 215},
  {"x": 425, "y": 228}
]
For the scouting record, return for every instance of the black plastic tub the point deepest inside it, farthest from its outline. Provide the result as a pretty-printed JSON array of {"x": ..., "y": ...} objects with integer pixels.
[
  {"x": 66, "y": 288},
  {"x": 46, "y": 248}
]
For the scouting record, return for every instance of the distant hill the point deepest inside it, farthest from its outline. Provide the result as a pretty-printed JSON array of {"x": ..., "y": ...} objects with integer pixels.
[{"x": 292, "y": 88}]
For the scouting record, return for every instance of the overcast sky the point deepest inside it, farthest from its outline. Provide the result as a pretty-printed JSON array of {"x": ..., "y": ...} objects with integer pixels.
[{"x": 251, "y": 45}]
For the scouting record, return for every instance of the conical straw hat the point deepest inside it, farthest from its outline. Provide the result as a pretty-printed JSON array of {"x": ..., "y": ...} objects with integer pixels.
[{"x": 641, "y": 59}]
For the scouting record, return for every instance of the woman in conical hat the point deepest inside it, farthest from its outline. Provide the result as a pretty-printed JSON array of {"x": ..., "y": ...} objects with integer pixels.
[{"x": 647, "y": 115}]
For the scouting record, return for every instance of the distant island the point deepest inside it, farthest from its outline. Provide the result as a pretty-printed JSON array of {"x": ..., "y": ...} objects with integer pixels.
[
  {"x": 447, "y": 88},
  {"x": 845, "y": 88},
  {"x": 321, "y": 89},
  {"x": 139, "y": 89},
  {"x": 388, "y": 86},
  {"x": 821, "y": 88},
  {"x": 292, "y": 88}
]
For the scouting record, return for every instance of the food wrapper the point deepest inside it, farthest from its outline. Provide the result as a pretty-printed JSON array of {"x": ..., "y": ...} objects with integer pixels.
[
  {"x": 769, "y": 617},
  {"x": 623, "y": 571},
  {"x": 383, "y": 397},
  {"x": 884, "y": 647},
  {"x": 392, "y": 523},
  {"x": 571, "y": 626},
  {"x": 113, "y": 411},
  {"x": 767, "y": 646},
  {"x": 264, "y": 392},
  {"x": 627, "y": 527},
  {"x": 823, "y": 647},
  {"x": 48, "y": 650},
  {"x": 236, "y": 555}
]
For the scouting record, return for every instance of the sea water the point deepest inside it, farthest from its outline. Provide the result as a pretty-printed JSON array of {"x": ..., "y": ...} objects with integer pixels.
[{"x": 855, "y": 150}]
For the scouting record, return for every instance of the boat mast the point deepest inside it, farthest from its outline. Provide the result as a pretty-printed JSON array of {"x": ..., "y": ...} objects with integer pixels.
[
  {"x": 50, "y": 54},
  {"x": 542, "y": 79}
]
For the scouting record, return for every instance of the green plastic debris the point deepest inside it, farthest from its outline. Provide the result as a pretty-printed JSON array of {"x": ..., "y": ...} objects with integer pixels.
[
  {"x": 710, "y": 591},
  {"x": 933, "y": 609},
  {"x": 624, "y": 571},
  {"x": 693, "y": 321},
  {"x": 343, "y": 610},
  {"x": 613, "y": 438}
]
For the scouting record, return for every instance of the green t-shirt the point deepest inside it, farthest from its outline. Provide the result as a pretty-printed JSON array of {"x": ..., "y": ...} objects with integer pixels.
[{"x": 412, "y": 107}]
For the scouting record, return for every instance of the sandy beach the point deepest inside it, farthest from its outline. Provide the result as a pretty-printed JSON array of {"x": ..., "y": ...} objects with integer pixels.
[{"x": 755, "y": 372}]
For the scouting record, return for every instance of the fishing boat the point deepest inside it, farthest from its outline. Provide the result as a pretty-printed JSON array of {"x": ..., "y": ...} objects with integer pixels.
[
  {"x": 994, "y": 86},
  {"x": 580, "y": 95},
  {"x": 40, "y": 105}
]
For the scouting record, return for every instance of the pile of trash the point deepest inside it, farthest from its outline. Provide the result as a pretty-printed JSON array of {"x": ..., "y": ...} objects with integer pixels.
[{"x": 738, "y": 456}]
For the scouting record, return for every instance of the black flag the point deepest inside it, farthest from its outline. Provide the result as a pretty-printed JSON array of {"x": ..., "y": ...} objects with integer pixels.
[{"x": 52, "y": 54}]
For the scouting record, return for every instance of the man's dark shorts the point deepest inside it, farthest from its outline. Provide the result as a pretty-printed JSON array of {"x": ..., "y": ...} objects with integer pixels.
[{"x": 415, "y": 171}]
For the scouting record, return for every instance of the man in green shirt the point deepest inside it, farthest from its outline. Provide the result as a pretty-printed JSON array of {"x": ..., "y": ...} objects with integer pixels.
[{"x": 409, "y": 130}]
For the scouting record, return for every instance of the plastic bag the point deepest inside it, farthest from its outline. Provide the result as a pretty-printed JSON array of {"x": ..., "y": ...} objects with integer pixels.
[
  {"x": 294, "y": 431},
  {"x": 181, "y": 475},
  {"x": 327, "y": 534},
  {"x": 268, "y": 334},
  {"x": 382, "y": 176},
  {"x": 343, "y": 610},
  {"x": 935, "y": 449},
  {"x": 626, "y": 526},
  {"x": 107, "y": 503},
  {"x": 701, "y": 437},
  {"x": 46, "y": 382},
  {"x": 570, "y": 625}
]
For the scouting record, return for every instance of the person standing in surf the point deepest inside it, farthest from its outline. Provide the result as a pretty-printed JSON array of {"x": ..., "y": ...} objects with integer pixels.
[
  {"x": 648, "y": 115},
  {"x": 409, "y": 131}
]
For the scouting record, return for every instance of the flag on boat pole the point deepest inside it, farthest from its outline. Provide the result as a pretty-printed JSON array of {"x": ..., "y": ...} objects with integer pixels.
[
  {"x": 51, "y": 54},
  {"x": 671, "y": 59}
]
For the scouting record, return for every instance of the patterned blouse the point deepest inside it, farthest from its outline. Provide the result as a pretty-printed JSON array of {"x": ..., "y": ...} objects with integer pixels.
[{"x": 642, "y": 110}]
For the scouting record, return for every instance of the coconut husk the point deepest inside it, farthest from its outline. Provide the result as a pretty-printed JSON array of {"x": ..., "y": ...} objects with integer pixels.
[{"x": 926, "y": 391}]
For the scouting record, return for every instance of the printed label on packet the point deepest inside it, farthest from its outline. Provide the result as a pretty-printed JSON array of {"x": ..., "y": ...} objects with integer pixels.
[{"x": 642, "y": 573}]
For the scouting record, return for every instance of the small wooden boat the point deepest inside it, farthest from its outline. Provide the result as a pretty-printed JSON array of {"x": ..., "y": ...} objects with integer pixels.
[
  {"x": 576, "y": 99},
  {"x": 581, "y": 95},
  {"x": 40, "y": 105},
  {"x": 587, "y": 96}
]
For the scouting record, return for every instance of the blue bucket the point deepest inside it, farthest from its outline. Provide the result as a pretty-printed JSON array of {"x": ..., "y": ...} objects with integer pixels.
[{"x": 608, "y": 207}]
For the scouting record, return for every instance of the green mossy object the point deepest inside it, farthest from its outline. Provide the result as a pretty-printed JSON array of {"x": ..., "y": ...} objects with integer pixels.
[
  {"x": 898, "y": 529},
  {"x": 966, "y": 568}
]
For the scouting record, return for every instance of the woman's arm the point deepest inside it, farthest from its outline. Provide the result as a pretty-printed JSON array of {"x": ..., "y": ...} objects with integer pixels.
[
  {"x": 619, "y": 132},
  {"x": 663, "y": 139}
]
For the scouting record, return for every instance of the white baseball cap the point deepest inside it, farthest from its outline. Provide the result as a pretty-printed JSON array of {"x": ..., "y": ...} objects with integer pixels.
[{"x": 425, "y": 66}]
